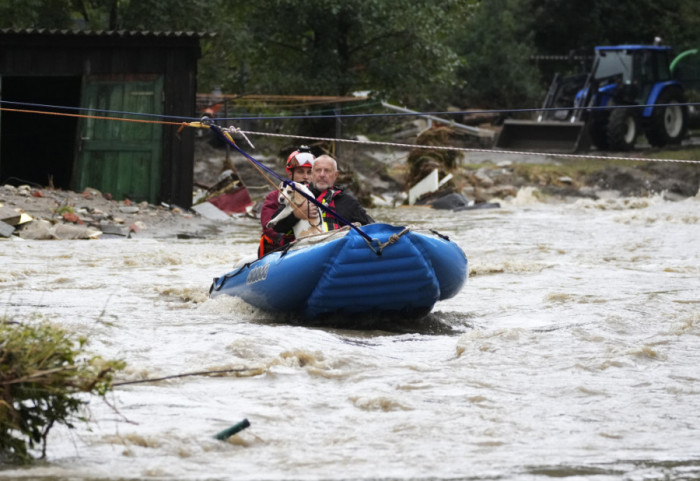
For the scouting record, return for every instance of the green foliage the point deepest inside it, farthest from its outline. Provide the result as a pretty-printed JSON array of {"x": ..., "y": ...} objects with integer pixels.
[
  {"x": 680, "y": 25},
  {"x": 176, "y": 15},
  {"x": 64, "y": 209},
  {"x": 564, "y": 26},
  {"x": 423, "y": 54},
  {"x": 35, "y": 13},
  {"x": 227, "y": 57},
  {"x": 42, "y": 372},
  {"x": 394, "y": 48},
  {"x": 496, "y": 47},
  {"x": 171, "y": 15}
]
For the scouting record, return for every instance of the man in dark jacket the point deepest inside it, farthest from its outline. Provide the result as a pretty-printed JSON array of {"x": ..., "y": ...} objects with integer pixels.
[{"x": 323, "y": 176}]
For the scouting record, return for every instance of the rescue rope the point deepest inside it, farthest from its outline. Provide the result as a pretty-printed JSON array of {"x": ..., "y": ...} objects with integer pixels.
[
  {"x": 83, "y": 116},
  {"x": 468, "y": 149},
  {"x": 86, "y": 109},
  {"x": 458, "y": 112},
  {"x": 224, "y": 133},
  {"x": 190, "y": 123},
  {"x": 230, "y": 132},
  {"x": 350, "y": 116}
]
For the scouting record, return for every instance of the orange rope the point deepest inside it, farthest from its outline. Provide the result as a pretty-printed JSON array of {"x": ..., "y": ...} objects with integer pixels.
[
  {"x": 327, "y": 98},
  {"x": 182, "y": 125},
  {"x": 200, "y": 125},
  {"x": 90, "y": 116}
]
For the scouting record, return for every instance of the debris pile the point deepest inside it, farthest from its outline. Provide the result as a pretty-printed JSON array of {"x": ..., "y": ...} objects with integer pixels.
[
  {"x": 435, "y": 174},
  {"x": 32, "y": 213},
  {"x": 227, "y": 196}
]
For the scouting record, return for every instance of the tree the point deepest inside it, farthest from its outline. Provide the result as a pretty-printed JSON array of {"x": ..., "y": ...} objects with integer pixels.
[
  {"x": 563, "y": 26},
  {"x": 680, "y": 26},
  {"x": 171, "y": 15},
  {"x": 182, "y": 15},
  {"x": 417, "y": 52},
  {"x": 35, "y": 14},
  {"x": 496, "y": 48},
  {"x": 394, "y": 48}
]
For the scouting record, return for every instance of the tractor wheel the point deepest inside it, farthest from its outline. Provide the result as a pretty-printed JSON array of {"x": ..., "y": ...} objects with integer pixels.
[
  {"x": 598, "y": 132},
  {"x": 668, "y": 125},
  {"x": 622, "y": 129}
]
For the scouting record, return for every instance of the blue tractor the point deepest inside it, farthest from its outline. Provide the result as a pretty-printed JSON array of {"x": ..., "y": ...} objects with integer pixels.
[{"x": 629, "y": 89}]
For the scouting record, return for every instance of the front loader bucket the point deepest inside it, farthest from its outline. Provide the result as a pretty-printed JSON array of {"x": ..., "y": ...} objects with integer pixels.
[{"x": 545, "y": 136}]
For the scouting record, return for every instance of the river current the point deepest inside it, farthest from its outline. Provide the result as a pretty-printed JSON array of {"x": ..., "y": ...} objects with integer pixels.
[{"x": 573, "y": 352}]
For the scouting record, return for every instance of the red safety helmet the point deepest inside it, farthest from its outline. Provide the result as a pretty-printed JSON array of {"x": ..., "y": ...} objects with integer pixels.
[{"x": 300, "y": 158}]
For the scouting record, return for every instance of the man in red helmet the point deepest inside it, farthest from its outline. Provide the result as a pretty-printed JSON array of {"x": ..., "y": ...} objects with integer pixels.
[
  {"x": 299, "y": 164},
  {"x": 323, "y": 177}
]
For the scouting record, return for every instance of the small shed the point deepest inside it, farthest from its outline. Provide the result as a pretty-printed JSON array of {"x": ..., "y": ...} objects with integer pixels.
[{"x": 61, "y": 91}]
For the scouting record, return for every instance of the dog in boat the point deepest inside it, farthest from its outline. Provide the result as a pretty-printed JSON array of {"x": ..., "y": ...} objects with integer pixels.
[{"x": 291, "y": 199}]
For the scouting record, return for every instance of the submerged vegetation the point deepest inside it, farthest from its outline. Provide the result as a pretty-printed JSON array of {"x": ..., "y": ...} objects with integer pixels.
[{"x": 43, "y": 373}]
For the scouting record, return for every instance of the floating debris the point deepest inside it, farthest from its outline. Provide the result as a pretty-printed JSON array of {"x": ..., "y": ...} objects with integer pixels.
[{"x": 228, "y": 432}]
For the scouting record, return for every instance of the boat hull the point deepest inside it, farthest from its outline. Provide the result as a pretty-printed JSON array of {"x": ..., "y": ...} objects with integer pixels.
[{"x": 402, "y": 272}]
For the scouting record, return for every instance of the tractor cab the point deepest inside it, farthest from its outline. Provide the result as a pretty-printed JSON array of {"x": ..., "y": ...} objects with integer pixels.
[{"x": 629, "y": 72}]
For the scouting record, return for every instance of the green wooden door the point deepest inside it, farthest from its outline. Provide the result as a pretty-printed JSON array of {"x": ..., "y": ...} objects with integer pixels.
[{"x": 118, "y": 157}]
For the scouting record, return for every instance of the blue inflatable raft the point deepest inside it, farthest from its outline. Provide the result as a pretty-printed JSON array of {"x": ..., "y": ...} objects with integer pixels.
[{"x": 341, "y": 273}]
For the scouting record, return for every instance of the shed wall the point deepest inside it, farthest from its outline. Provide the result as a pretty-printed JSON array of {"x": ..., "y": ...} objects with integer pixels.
[{"x": 174, "y": 57}]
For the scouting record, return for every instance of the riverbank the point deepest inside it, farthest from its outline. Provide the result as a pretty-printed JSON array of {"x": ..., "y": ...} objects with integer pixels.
[
  {"x": 381, "y": 176},
  {"x": 377, "y": 177},
  {"x": 59, "y": 214}
]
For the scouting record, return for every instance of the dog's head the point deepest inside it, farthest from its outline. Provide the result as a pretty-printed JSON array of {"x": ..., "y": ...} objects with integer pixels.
[
  {"x": 293, "y": 194},
  {"x": 289, "y": 194}
]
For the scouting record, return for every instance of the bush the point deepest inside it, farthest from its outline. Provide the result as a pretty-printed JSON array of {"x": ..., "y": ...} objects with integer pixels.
[{"x": 42, "y": 371}]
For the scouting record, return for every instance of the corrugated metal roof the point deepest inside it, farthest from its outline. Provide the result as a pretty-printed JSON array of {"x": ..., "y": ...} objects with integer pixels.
[{"x": 104, "y": 33}]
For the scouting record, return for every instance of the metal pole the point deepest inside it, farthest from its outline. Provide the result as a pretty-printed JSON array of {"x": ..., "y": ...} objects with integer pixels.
[
  {"x": 338, "y": 131},
  {"x": 472, "y": 130}
]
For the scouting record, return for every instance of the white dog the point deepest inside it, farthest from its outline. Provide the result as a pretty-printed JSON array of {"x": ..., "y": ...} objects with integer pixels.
[{"x": 290, "y": 199}]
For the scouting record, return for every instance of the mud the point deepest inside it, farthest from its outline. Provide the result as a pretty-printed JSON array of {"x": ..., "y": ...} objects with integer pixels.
[
  {"x": 376, "y": 177},
  {"x": 59, "y": 214}
]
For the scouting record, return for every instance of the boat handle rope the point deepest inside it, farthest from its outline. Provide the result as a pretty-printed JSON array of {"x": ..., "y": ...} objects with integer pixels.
[
  {"x": 219, "y": 281},
  {"x": 224, "y": 133},
  {"x": 442, "y": 236},
  {"x": 393, "y": 238}
]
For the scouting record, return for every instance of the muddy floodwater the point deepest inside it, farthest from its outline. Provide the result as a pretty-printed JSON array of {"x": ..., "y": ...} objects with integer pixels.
[{"x": 572, "y": 352}]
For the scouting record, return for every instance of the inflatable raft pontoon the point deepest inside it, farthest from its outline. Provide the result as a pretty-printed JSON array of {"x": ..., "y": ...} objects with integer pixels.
[{"x": 401, "y": 271}]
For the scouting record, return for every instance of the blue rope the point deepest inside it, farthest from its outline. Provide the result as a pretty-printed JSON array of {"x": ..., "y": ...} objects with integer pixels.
[
  {"x": 102, "y": 111},
  {"x": 350, "y": 116},
  {"x": 470, "y": 112},
  {"x": 219, "y": 132}
]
